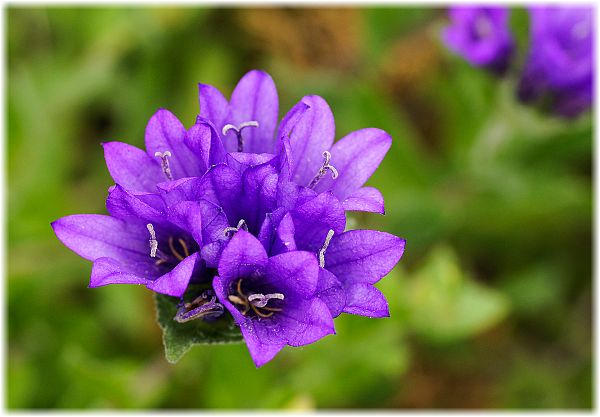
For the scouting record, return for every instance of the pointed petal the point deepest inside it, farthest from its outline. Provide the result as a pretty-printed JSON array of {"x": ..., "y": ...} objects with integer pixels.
[
  {"x": 214, "y": 221},
  {"x": 314, "y": 219},
  {"x": 255, "y": 98},
  {"x": 356, "y": 157},
  {"x": 131, "y": 167},
  {"x": 331, "y": 292},
  {"x": 125, "y": 205},
  {"x": 165, "y": 132},
  {"x": 297, "y": 272},
  {"x": 291, "y": 119},
  {"x": 366, "y": 300},
  {"x": 363, "y": 256},
  {"x": 312, "y": 135},
  {"x": 307, "y": 322},
  {"x": 204, "y": 141},
  {"x": 285, "y": 235},
  {"x": 213, "y": 106},
  {"x": 94, "y": 236},
  {"x": 174, "y": 283},
  {"x": 284, "y": 132},
  {"x": 108, "y": 271},
  {"x": 263, "y": 342},
  {"x": 242, "y": 256},
  {"x": 266, "y": 234},
  {"x": 367, "y": 199}
]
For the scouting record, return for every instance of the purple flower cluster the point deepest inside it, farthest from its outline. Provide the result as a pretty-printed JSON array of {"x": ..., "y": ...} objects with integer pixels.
[
  {"x": 559, "y": 66},
  {"x": 248, "y": 214}
]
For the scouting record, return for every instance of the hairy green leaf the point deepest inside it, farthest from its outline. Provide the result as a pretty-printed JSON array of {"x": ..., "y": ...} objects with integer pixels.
[{"x": 178, "y": 338}]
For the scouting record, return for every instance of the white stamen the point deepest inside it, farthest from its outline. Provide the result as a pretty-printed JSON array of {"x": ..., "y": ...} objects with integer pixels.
[
  {"x": 238, "y": 131},
  {"x": 324, "y": 168},
  {"x": 229, "y": 127},
  {"x": 165, "y": 163},
  {"x": 324, "y": 248},
  {"x": 241, "y": 224},
  {"x": 260, "y": 300},
  {"x": 153, "y": 241}
]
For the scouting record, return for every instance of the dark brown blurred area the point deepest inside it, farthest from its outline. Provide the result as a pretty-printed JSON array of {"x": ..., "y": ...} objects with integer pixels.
[{"x": 307, "y": 37}]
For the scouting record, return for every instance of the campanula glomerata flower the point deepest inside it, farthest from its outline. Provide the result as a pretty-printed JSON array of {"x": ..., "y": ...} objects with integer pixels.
[{"x": 246, "y": 216}]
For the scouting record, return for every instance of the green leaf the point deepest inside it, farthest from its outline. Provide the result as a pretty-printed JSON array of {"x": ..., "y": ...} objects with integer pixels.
[
  {"x": 178, "y": 338},
  {"x": 446, "y": 304}
]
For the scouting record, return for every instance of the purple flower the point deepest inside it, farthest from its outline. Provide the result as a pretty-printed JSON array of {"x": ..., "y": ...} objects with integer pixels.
[
  {"x": 171, "y": 153},
  {"x": 559, "y": 67},
  {"x": 303, "y": 143},
  {"x": 244, "y": 219},
  {"x": 481, "y": 35},
  {"x": 350, "y": 261},
  {"x": 273, "y": 299},
  {"x": 248, "y": 121},
  {"x": 141, "y": 243},
  {"x": 342, "y": 168}
]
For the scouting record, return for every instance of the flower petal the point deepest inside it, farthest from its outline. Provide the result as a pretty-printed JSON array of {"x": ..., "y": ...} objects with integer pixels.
[
  {"x": 355, "y": 156},
  {"x": 106, "y": 271},
  {"x": 363, "y": 256},
  {"x": 125, "y": 205},
  {"x": 94, "y": 236},
  {"x": 221, "y": 185},
  {"x": 213, "y": 106},
  {"x": 242, "y": 256},
  {"x": 286, "y": 231},
  {"x": 188, "y": 215},
  {"x": 263, "y": 342},
  {"x": 284, "y": 147},
  {"x": 331, "y": 292},
  {"x": 307, "y": 322},
  {"x": 314, "y": 219},
  {"x": 165, "y": 132},
  {"x": 175, "y": 282},
  {"x": 259, "y": 196},
  {"x": 367, "y": 199},
  {"x": 204, "y": 141},
  {"x": 131, "y": 167},
  {"x": 255, "y": 99},
  {"x": 295, "y": 271},
  {"x": 312, "y": 135},
  {"x": 366, "y": 300},
  {"x": 240, "y": 161}
]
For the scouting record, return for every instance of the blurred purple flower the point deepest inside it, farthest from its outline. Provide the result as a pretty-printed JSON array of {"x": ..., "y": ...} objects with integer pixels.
[
  {"x": 560, "y": 64},
  {"x": 481, "y": 35}
]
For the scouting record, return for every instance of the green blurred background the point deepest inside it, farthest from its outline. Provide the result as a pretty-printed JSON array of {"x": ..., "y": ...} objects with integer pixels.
[{"x": 491, "y": 304}]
